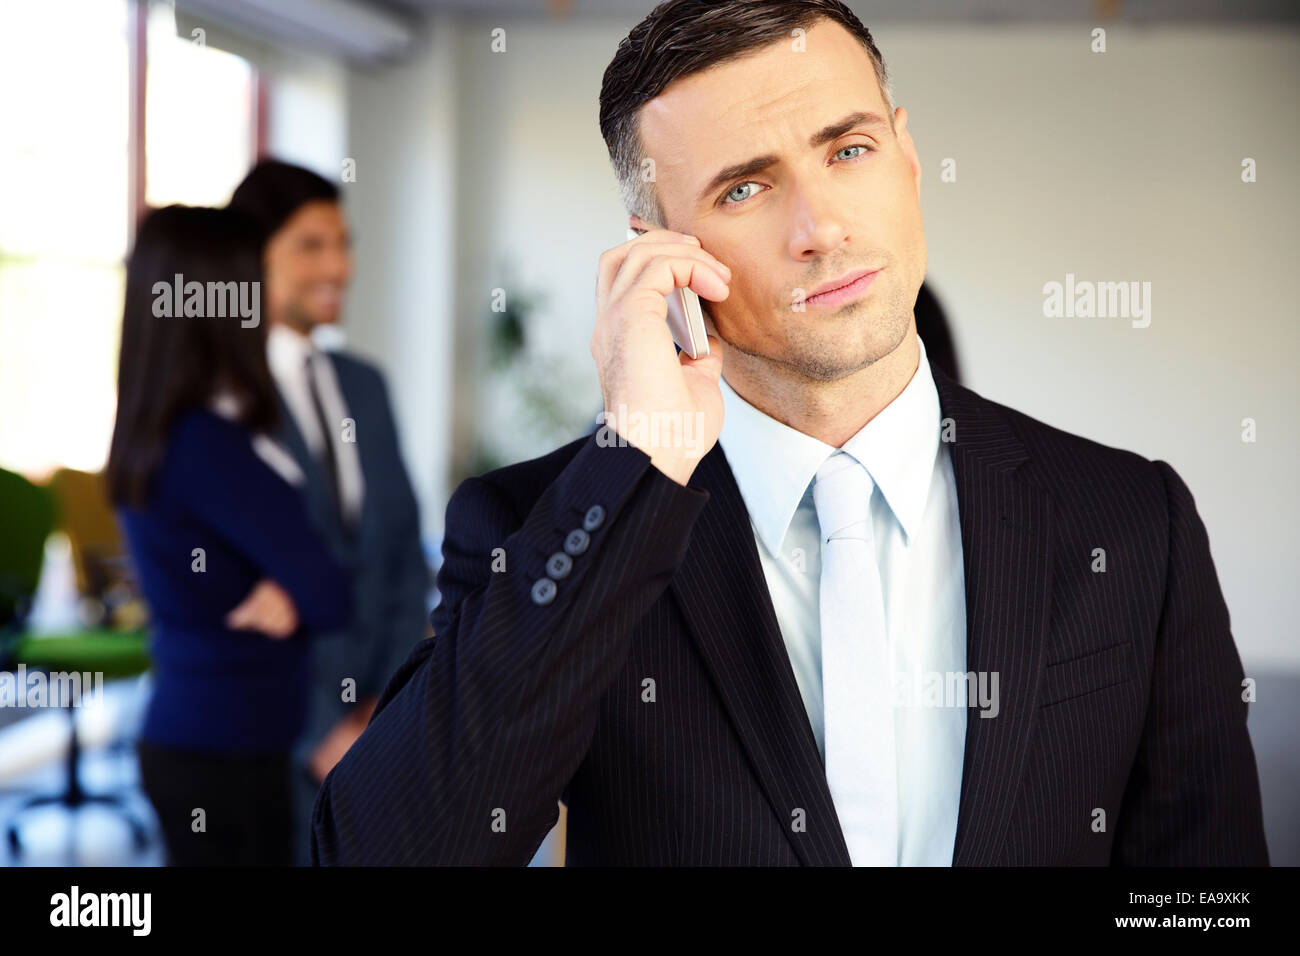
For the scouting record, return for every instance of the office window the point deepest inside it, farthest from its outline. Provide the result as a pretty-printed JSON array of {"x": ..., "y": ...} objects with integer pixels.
[
  {"x": 199, "y": 118},
  {"x": 66, "y": 163},
  {"x": 63, "y": 228}
]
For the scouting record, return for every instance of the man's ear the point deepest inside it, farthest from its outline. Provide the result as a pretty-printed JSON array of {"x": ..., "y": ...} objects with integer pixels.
[
  {"x": 909, "y": 148},
  {"x": 640, "y": 226}
]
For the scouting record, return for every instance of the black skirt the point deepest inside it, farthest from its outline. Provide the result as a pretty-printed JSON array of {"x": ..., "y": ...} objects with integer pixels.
[{"x": 219, "y": 809}]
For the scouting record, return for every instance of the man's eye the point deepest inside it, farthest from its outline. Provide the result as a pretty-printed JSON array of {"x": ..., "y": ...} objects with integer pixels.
[
  {"x": 731, "y": 199},
  {"x": 855, "y": 146}
]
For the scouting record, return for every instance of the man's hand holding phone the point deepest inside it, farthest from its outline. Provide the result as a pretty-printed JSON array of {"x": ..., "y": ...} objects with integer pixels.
[{"x": 638, "y": 366}]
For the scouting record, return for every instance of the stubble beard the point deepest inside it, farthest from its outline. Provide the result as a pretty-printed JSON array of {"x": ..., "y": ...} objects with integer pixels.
[{"x": 827, "y": 348}]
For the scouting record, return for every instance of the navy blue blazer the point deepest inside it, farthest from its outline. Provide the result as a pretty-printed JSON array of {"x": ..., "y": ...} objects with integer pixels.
[
  {"x": 390, "y": 577},
  {"x": 216, "y": 520},
  {"x": 1119, "y": 690}
]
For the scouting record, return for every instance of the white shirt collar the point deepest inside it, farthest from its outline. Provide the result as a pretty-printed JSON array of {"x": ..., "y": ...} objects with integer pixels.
[
  {"x": 774, "y": 464},
  {"x": 287, "y": 351},
  {"x": 224, "y": 403}
]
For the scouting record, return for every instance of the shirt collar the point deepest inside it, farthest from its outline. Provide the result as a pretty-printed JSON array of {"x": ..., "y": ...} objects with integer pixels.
[
  {"x": 287, "y": 351},
  {"x": 774, "y": 464}
]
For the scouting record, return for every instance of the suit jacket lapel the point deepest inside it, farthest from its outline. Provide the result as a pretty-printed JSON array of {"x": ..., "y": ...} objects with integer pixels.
[
  {"x": 315, "y": 491},
  {"x": 723, "y": 594},
  {"x": 1006, "y": 531},
  {"x": 291, "y": 436}
]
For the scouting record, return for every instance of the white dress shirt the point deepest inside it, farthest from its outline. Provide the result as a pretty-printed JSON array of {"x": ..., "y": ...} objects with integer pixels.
[
  {"x": 287, "y": 352},
  {"x": 918, "y": 548}
]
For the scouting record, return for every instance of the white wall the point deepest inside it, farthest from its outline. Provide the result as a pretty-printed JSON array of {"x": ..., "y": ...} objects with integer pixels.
[
  {"x": 537, "y": 202},
  {"x": 1127, "y": 166},
  {"x": 307, "y": 103}
]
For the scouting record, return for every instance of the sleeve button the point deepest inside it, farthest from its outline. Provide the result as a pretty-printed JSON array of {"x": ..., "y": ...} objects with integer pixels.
[
  {"x": 594, "y": 518},
  {"x": 576, "y": 542},
  {"x": 559, "y": 565},
  {"x": 543, "y": 591}
]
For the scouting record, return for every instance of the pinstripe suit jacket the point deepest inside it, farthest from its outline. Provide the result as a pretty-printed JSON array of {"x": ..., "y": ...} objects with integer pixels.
[{"x": 653, "y": 693}]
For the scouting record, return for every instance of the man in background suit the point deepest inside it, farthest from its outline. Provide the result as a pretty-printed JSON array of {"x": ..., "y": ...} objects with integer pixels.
[
  {"x": 714, "y": 638},
  {"x": 338, "y": 424}
]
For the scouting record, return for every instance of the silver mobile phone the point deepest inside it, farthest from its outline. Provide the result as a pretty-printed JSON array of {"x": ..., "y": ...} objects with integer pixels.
[{"x": 685, "y": 319}]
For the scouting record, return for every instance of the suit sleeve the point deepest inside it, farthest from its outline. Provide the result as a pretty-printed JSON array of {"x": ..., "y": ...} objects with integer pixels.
[
  {"x": 1193, "y": 794},
  {"x": 477, "y": 735}
]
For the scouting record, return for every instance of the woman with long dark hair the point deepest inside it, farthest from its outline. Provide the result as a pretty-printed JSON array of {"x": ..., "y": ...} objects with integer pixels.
[{"x": 235, "y": 576}]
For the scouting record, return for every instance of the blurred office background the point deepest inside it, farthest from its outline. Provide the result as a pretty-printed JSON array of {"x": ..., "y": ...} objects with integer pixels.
[{"x": 464, "y": 135}]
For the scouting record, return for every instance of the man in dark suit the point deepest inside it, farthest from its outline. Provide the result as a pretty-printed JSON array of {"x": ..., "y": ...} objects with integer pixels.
[
  {"x": 732, "y": 640},
  {"x": 338, "y": 425}
]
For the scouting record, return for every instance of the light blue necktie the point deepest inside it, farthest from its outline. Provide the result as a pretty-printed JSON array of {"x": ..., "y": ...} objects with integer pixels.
[{"x": 861, "y": 767}]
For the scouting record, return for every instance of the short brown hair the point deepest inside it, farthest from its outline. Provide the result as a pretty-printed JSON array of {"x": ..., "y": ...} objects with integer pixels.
[{"x": 681, "y": 37}]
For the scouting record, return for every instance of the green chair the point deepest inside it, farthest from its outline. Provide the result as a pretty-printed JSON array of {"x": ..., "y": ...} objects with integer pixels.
[
  {"x": 27, "y": 515},
  {"x": 26, "y": 519}
]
